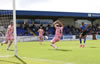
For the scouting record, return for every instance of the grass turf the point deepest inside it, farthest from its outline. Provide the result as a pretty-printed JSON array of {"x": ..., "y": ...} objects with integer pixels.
[{"x": 69, "y": 52}]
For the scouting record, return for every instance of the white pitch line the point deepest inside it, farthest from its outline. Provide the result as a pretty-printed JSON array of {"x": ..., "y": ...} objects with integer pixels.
[
  {"x": 48, "y": 60},
  {"x": 7, "y": 56}
]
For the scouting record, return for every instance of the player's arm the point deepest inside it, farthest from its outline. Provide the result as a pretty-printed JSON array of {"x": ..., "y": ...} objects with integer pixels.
[
  {"x": 43, "y": 31},
  {"x": 88, "y": 25},
  {"x": 60, "y": 23},
  {"x": 38, "y": 30},
  {"x": 54, "y": 23},
  {"x": 8, "y": 30},
  {"x": 80, "y": 29}
]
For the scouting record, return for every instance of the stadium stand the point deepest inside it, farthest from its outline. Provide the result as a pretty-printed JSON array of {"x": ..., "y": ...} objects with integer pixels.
[
  {"x": 30, "y": 15},
  {"x": 68, "y": 30}
]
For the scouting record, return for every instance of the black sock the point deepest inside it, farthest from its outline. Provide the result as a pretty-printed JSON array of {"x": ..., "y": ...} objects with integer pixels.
[
  {"x": 84, "y": 40},
  {"x": 80, "y": 41}
]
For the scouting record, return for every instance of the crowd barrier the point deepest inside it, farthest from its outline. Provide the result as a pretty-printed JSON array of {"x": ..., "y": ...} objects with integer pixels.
[{"x": 64, "y": 37}]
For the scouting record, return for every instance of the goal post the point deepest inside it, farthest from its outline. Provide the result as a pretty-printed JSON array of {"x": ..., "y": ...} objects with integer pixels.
[{"x": 14, "y": 21}]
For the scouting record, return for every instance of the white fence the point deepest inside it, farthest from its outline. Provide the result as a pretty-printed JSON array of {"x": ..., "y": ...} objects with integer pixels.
[
  {"x": 35, "y": 38},
  {"x": 27, "y": 38},
  {"x": 65, "y": 37}
]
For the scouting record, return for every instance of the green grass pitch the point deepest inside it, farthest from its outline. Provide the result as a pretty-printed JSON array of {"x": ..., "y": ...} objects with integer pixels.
[{"x": 69, "y": 52}]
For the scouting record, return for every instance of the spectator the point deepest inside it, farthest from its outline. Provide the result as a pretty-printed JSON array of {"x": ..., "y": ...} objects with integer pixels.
[
  {"x": 47, "y": 27},
  {"x": 26, "y": 25},
  {"x": 33, "y": 28}
]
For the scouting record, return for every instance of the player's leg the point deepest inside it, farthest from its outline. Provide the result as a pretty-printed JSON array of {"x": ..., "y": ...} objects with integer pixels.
[
  {"x": 11, "y": 39},
  {"x": 10, "y": 43},
  {"x": 55, "y": 39},
  {"x": 41, "y": 39},
  {"x": 80, "y": 40},
  {"x": 52, "y": 44},
  {"x": 84, "y": 40},
  {"x": 6, "y": 41}
]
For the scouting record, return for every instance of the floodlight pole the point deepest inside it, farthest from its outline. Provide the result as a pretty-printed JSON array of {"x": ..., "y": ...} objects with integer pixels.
[{"x": 14, "y": 21}]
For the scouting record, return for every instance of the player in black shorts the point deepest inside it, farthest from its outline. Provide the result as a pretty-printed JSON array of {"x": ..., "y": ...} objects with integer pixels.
[{"x": 83, "y": 34}]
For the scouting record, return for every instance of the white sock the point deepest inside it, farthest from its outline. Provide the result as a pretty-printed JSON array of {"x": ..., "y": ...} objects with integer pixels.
[
  {"x": 84, "y": 44},
  {"x": 53, "y": 46},
  {"x": 81, "y": 44},
  {"x": 3, "y": 42}
]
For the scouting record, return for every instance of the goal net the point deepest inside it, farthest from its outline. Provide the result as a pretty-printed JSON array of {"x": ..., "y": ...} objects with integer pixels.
[{"x": 7, "y": 14}]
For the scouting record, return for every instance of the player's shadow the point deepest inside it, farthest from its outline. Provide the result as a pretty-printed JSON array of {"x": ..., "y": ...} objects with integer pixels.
[
  {"x": 61, "y": 50},
  {"x": 20, "y": 60},
  {"x": 12, "y": 62},
  {"x": 93, "y": 47},
  {"x": 10, "y": 50},
  {"x": 9, "y": 62}
]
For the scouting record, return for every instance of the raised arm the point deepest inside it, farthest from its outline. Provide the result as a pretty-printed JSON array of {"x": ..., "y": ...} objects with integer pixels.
[
  {"x": 54, "y": 23},
  {"x": 60, "y": 23}
]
